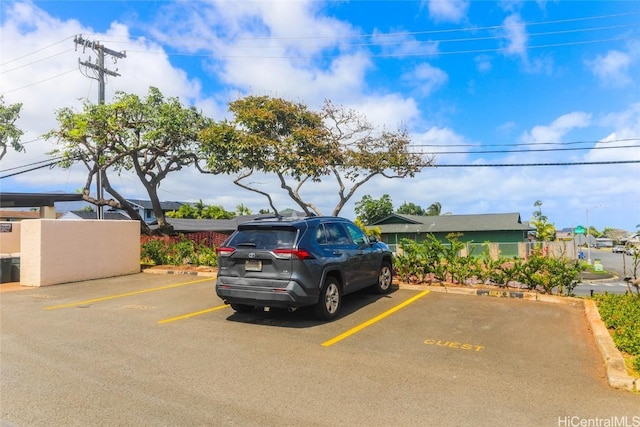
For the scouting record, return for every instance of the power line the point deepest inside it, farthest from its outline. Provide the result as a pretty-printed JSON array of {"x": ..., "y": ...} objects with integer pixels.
[
  {"x": 36, "y": 61},
  {"x": 520, "y": 144},
  {"x": 35, "y": 51},
  {"x": 38, "y": 82},
  {"x": 31, "y": 164},
  {"x": 528, "y": 150},
  {"x": 506, "y": 165},
  {"x": 30, "y": 170},
  {"x": 459, "y": 165}
]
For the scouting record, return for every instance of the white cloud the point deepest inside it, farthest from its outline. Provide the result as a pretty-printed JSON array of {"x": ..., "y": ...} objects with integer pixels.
[
  {"x": 611, "y": 69},
  {"x": 447, "y": 10},
  {"x": 308, "y": 57},
  {"x": 400, "y": 44},
  {"x": 554, "y": 132},
  {"x": 515, "y": 33},
  {"x": 426, "y": 78}
]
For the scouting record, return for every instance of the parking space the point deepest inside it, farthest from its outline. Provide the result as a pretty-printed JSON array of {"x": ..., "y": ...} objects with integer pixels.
[{"x": 164, "y": 350}]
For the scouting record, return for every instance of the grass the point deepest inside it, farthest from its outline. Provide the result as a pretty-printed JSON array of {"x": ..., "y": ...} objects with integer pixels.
[{"x": 628, "y": 362}]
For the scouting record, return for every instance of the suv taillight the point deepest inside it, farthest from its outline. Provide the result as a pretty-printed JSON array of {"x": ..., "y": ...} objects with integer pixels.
[
  {"x": 225, "y": 251},
  {"x": 292, "y": 253}
]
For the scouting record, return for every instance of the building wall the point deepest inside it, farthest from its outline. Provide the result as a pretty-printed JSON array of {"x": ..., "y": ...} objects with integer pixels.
[
  {"x": 62, "y": 251},
  {"x": 10, "y": 240}
]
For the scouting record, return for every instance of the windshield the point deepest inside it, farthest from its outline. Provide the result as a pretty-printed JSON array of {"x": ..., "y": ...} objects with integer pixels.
[{"x": 263, "y": 238}]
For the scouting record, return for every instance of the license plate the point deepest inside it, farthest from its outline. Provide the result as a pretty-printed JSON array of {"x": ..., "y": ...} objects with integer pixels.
[{"x": 253, "y": 265}]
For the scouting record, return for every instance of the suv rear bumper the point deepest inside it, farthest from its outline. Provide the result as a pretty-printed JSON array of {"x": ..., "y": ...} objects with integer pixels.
[{"x": 234, "y": 290}]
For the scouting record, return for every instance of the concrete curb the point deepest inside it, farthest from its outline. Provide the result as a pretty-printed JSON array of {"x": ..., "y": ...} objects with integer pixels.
[
  {"x": 614, "y": 362},
  {"x": 616, "y": 370},
  {"x": 180, "y": 272}
]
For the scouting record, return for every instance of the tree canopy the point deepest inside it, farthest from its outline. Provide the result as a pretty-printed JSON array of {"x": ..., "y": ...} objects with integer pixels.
[
  {"x": 369, "y": 210},
  {"x": 199, "y": 210},
  {"x": 410, "y": 208},
  {"x": 152, "y": 136},
  {"x": 272, "y": 136},
  {"x": 9, "y": 133},
  {"x": 545, "y": 231}
]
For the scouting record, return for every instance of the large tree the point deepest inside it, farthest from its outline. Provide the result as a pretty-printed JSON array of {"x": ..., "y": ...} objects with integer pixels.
[
  {"x": 9, "y": 133},
  {"x": 273, "y": 136},
  {"x": 410, "y": 208},
  {"x": 545, "y": 231},
  {"x": 152, "y": 137},
  {"x": 434, "y": 209},
  {"x": 199, "y": 210},
  {"x": 369, "y": 210}
]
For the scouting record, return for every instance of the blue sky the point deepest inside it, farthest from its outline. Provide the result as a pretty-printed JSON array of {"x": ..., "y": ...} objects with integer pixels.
[{"x": 477, "y": 82}]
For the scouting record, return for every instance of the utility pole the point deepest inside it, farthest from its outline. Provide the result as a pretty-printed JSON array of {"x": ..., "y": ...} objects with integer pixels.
[{"x": 101, "y": 71}]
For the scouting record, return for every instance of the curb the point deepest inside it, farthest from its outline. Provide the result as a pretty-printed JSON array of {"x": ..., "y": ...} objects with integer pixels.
[
  {"x": 615, "y": 368},
  {"x": 181, "y": 272},
  {"x": 614, "y": 363}
]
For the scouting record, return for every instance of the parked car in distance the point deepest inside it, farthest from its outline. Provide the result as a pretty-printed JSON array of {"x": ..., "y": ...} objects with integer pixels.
[
  {"x": 632, "y": 250},
  {"x": 296, "y": 262},
  {"x": 619, "y": 249}
]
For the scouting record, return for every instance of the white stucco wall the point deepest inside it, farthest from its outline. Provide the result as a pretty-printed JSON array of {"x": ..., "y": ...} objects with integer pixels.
[
  {"x": 10, "y": 241},
  {"x": 62, "y": 251}
]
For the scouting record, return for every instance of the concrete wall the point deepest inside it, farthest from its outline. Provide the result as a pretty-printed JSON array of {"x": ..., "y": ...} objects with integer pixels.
[
  {"x": 10, "y": 241},
  {"x": 61, "y": 251}
]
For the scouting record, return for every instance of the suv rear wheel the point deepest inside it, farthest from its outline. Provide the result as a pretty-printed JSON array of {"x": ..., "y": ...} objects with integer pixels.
[
  {"x": 330, "y": 300},
  {"x": 385, "y": 279}
]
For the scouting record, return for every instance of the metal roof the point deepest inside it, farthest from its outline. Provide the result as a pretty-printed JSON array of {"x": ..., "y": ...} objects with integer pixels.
[
  {"x": 453, "y": 223},
  {"x": 220, "y": 225},
  {"x": 94, "y": 215},
  {"x": 166, "y": 206},
  {"x": 30, "y": 200}
]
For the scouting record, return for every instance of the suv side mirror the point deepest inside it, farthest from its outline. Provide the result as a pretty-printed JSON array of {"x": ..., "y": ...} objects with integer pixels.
[{"x": 373, "y": 239}]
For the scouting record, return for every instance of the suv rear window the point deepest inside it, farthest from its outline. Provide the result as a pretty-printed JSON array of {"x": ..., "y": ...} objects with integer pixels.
[{"x": 264, "y": 238}]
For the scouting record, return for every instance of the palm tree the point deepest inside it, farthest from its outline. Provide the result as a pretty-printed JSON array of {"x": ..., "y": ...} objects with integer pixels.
[
  {"x": 434, "y": 209},
  {"x": 241, "y": 209}
]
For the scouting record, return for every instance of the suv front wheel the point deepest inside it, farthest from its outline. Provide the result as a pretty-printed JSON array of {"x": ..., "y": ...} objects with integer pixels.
[{"x": 330, "y": 300}]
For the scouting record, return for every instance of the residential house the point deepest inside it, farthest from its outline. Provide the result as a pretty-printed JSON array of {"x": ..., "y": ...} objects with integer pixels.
[
  {"x": 145, "y": 208},
  {"x": 505, "y": 228}
]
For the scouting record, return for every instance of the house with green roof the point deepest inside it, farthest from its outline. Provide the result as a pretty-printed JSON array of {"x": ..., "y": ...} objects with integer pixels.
[{"x": 506, "y": 229}]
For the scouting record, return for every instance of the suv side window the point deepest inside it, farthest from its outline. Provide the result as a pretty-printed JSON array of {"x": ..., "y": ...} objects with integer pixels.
[
  {"x": 321, "y": 235},
  {"x": 358, "y": 236},
  {"x": 332, "y": 234}
]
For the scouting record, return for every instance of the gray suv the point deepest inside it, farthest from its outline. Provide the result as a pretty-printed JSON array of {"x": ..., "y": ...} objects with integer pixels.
[{"x": 296, "y": 262}]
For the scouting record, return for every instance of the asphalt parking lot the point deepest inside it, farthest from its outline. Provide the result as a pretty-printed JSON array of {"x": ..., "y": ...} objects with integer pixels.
[{"x": 163, "y": 350}]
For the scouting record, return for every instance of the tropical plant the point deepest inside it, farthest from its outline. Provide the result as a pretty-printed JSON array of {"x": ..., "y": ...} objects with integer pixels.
[
  {"x": 369, "y": 210},
  {"x": 545, "y": 231},
  {"x": 434, "y": 209},
  {"x": 153, "y": 137},
  {"x": 410, "y": 209},
  {"x": 9, "y": 133},
  {"x": 274, "y": 136}
]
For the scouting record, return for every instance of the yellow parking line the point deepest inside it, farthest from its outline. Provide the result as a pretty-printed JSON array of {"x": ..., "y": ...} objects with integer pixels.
[
  {"x": 195, "y": 313},
  {"x": 374, "y": 320},
  {"x": 128, "y": 294}
]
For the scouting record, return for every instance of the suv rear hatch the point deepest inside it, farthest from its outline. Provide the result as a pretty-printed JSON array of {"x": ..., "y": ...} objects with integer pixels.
[{"x": 262, "y": 252}]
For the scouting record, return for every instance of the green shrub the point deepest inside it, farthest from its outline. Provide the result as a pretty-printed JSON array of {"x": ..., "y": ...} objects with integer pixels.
[
  {"x": 160, "y": 251},
  {"x": 154, "y": 251},
  {"x": 621, "y": 314},
  {"x": 206, "y": 256},
  {"x": 182, "y": 252}
]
